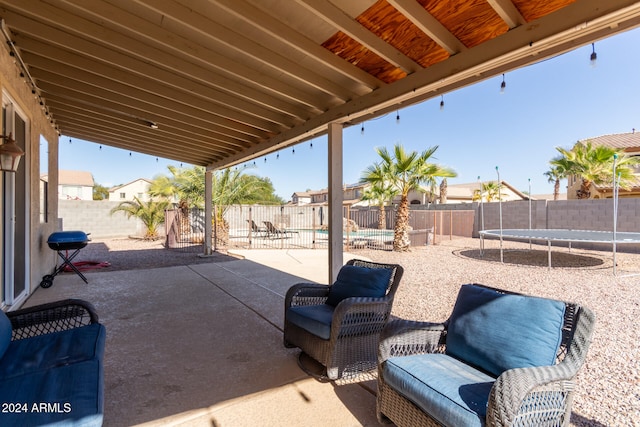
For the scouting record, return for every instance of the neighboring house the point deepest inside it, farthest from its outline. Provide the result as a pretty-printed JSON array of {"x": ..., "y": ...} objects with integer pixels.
[
  {"x": 463, "y": 193},
  {"x": 352, "y": 193},
  {"x": 630, "y": 143},
  {"x": 73, "y": 185},
  {"x": 457, "y": 193},
  {"x": 126, "y": 192},
  {"x": 300, "y": 198}
]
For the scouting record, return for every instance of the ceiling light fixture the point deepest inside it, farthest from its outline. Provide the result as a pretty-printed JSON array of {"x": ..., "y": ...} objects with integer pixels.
[{"x": 153, "y": 125}]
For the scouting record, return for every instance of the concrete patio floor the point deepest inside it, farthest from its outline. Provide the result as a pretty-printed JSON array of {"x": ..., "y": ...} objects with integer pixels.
[{"x": 201, "y": 345}]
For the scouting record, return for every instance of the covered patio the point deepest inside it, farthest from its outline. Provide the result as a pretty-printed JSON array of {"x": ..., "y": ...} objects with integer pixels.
[{"x": 201, "y": 345}]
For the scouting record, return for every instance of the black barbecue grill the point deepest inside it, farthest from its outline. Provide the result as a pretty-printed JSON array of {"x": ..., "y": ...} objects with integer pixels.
[{"x": 63, "y": 242}]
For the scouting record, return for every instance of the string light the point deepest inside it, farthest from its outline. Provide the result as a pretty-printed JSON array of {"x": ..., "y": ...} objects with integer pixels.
[
  {"x": 594, "y": 55},
  {"x": 441, "y": 102},
  {"x": 311, "y": 145},
  {"x": 397, "y": 117},
  {"x": 100, "y": 148},
  {"x": 293, "y": 151},
  {"x": 265, "y": 160},
  {"x": 362, "y": 129},
  {"x": 278, "y": 155},
  {"x": 503, "y": 85}
]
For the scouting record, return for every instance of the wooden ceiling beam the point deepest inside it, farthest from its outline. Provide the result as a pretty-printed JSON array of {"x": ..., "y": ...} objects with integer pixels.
[
  {"x": 284, "y": 34},
  {"x": 134, "y": 145},
  {"x": 83, "y": 29},
  {"x": 508, "y": 12},
  {"x": 82, "y": 99},
  {"x": 121, "y": 82},
  {"x": 344, "y": 23},
  {"x": 220, "y": 35},
  {"x": 192, "y": 141},
  {"x": 109, "y": 58},
  {"x": 151, "y": 105},
  {"x": 429, "y": 25}
]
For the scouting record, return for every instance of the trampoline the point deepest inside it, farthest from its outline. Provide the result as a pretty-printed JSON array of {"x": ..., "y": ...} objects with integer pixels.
[{"x": 560, "y": 235}]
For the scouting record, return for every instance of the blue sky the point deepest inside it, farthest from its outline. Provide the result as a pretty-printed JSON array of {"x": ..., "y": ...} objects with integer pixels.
[{"x": 553, "y": 103}]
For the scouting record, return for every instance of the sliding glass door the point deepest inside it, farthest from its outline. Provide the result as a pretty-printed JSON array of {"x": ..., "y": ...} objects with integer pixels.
[{"x": 15, "y": 210}]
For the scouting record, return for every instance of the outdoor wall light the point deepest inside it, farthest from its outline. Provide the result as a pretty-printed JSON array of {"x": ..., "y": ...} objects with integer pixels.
[
  {"x": 10, "y": 154},
  {"x": 153, "y": 125}
]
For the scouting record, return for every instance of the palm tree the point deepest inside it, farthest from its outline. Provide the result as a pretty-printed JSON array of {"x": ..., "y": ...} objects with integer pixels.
[
  {"x": 594, "y": 165},
  {"x": 490, "y": 191},
  {"x": 151, "y": 213},
  {"x": 557, "y": 172},
  {"x": 379, "y": 193},
  {"x": 404, "y": 172}
]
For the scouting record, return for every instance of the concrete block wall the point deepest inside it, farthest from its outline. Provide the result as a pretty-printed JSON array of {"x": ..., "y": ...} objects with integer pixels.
[{"x": 93, "y": 216}]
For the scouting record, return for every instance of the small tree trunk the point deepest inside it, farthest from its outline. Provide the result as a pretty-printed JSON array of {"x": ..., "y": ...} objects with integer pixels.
[
  {"x": 382, "y": 218},
  {"x": 443, "y": 191},
  {"x": 401, "y": 241},
  {"x": 556, "y": 190}
]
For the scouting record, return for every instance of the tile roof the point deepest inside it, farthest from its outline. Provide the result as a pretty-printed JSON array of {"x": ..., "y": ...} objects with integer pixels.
[{"x": 627, "y": 141}]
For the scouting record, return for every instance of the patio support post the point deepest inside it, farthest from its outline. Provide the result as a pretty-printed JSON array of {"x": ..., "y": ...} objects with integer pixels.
[
  {"x": 335, "y": 200},
  {"x": 208, "y": 204}
]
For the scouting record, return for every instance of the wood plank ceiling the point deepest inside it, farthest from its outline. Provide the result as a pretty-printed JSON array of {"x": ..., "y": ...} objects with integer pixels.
[{"x": 219, "y": 82}]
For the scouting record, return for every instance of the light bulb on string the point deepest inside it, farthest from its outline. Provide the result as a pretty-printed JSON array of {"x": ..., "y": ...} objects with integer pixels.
[
  {"x": 156, "y": 160},
  {"x": 265, "y": 160},
  {"x": 69, "y": 140},
  {"x": 503, "y": 85},
  {"x": 130, "y": 154},
  {"x": 100, "y": 148},
  {"x": 441, "y": 102},
  {"x": 293, "y": 151},
  {"x": 362, "y": 129},
  {"x": 397, "y": 117},
  {"x": 311, "y": 145},
  {"x": 277, "y": 155},
  {"x": 594, "y": 56}
]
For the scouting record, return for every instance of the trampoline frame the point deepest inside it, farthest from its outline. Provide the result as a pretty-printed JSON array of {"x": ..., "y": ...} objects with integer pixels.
[{"x": 560, "y": 235}]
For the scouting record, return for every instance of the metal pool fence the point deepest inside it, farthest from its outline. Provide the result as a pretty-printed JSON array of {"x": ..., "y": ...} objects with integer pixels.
[{"x": 305, "y": 227}]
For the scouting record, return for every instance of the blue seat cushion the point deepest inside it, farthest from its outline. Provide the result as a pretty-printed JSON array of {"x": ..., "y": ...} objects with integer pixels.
[
  {"x": 496, "y": 332},
  {"x": 355, "y": 281},
  {"x": 69, "y": 395},
  {"x": 5, "y": 333},
  {"x": 315, "y": 319},
  {"x": 452, "y": 392},
  {"x": 43, "y": 352}
]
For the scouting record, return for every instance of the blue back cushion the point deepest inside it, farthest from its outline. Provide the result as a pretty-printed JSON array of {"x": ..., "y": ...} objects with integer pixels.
[
  {"x": 496, "y": 332},
  {"x": 355, "y": 281},
  {"x": 5, "y": 333}
]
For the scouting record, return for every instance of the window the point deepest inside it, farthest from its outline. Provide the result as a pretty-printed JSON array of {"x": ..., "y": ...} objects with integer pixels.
[{"x": 123, "y": 196}]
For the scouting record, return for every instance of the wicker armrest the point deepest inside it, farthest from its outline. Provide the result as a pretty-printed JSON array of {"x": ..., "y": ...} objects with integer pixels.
[
  {"x": 544, "y": 387},
  {"x": 306, "y": 294},
  {"x": 404, "y": 337},
  {"x": 51, "y": 317},
  {"x": 357, "y": 315}
]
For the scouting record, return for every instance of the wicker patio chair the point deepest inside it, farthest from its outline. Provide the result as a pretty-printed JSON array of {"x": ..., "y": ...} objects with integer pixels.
[
  {"x": 355, "y": 325},
  {"x": 530, "y": 396}
]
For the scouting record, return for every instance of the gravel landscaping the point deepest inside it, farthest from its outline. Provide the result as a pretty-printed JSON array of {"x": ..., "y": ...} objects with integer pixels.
[{"x": 608, "y": 389}]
